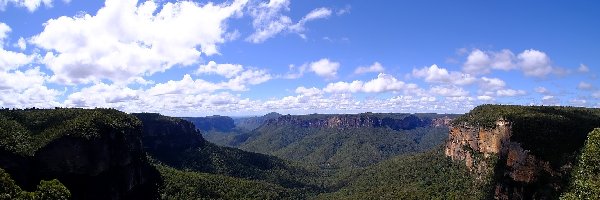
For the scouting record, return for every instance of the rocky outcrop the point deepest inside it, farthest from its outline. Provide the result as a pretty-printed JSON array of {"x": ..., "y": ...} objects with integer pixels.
[
  {"x": 405, "y": 122},
  {"x": 111, "y": 166},
  {"x": 492, "y": 156}
]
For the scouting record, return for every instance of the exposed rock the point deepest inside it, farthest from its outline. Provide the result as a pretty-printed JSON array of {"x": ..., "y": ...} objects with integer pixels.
[
  {"x": 517, "y": 169},
  {"x": 359, "y": 120}
]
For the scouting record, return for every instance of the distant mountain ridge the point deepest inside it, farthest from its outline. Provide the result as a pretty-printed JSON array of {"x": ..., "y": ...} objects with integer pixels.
[{"x": 355, "y": 140}]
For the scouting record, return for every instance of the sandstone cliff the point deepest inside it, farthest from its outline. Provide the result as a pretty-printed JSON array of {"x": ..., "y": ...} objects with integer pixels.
[
  {"x": 521, "y": 152},
  {"x": 394, "y": 121}
]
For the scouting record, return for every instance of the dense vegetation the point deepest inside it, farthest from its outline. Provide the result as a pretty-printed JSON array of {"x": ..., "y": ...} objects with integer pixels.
[
  {"x": 401, "y": 157},
  {"x": 335, "y": 147},
  {"x": 51, "y": 189},
  {"x": 207, "y": 158},
  {"x": 538, "y": 128},
  {"x": 251, "y": 123},
  {"x": 428, "y": 175},
  {"x": 585, "y": 183},
  {"x": 25, "y": 131},
  {"x": 214, "y": 123}
]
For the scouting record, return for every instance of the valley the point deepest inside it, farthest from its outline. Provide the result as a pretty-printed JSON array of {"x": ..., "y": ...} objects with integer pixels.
[{"x": 492, "y": 152}]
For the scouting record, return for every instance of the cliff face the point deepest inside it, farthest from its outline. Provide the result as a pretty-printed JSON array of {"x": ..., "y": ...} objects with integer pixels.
[
  {"x": 108, "y": 164},
  {"x": 354, "y": 121},
  {"x": 491, "y": 155}
]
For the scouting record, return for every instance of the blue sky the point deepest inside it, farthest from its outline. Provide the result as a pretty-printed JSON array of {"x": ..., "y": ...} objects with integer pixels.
[{"x": 250, "y": 57}]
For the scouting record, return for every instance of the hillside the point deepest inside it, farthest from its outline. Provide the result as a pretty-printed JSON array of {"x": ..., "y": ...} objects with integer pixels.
[
  {"x": 526, "y": 151},
  {"x": 334, "y": 141},
  {"x": 427, "y": 175},
  {"x": 177, "y": 144},
  {"x": 251, "y": 123},
  {"x": 95, "y": 153}
]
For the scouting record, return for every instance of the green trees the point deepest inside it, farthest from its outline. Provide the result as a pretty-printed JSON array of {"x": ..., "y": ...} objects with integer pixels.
[
  {"x": 429, "y": 175},
  {"x": 585, "y": 183},
  {"x": 46, "y": 190}
]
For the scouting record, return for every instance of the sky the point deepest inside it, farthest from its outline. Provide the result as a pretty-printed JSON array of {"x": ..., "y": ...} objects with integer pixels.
[{"x": 251, "y": 57}]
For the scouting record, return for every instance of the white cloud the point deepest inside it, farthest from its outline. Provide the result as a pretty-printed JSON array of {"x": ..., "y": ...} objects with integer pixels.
[
  {"x": 31, "y": 5},
  {"x": 550, "y": 100},
  {"x": 269, "y": 20},
  {"x": 10, "y": 60},
  {"x": 186, "y": 85},
  {"x": 325, "y": 68},
  {"x": 584, "y": 86},
  {"x": 295, "y": 72},
  {"x": 226, "y": 70},
  {"x": 534, "y": 63},
  {"x": 510, "y": 93},
  {"x": 341, "y": 87},
  {"x": 383, "y": 83},
  {"x": 531, "y": 62},
  {"x": 583, "y": 68},
  {"x": 542, "y": 90},
  {"x": 485, "y": 98},
  {"x": 317, "y": 13},
  {"x": 375, "y": 67},
  {"x": 144, "y": 40},
  {"x": 344, "y": 10},
  {"x": 252, "y": 77},
  {"x": 448, "y": 91},
  {"x": 435, "y": 74},
  {"x": 26, "y": 89},
  {"x": 479, "y": 62},
  {"x": 4, "y": 30},
  {"x": 492, "y": 83},
  {"x": 309, "y": 91},
  {"x": 21, "y": 44}
]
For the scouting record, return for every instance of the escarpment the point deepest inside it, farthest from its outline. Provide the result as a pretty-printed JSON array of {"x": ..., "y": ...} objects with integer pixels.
[
  {"x": 522, "y": 152},
  {"x": 393, "y": 121},
  {"x": 96, "y": 154}
]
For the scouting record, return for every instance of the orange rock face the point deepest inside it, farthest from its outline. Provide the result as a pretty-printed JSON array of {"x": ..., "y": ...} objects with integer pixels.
[{"x": 472, "y": 144}]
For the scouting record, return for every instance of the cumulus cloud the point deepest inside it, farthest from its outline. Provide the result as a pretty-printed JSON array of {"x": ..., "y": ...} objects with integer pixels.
[
  {"x": 479, "y": 62},
  {"x": 26, "y": 89},
  {"x": 383, "y": 83},
  {"x": 534, "y": 63},
  {"x": 485, "y": 98},
  {"x": 269, "y": 20},
  {"x": 325, "y": 68},
  {"x": 492, "y": 83},
  {"x": 144, "y": 40},
  {"x": 510, "y": 93},
  {"x": 31, "y": 5},
  {"x": 448, "y": 91},
  {"x": 313, "y": 91},
  {"x": 10, "y": 60},
  {"x": 435, "y": 74},
  {"x": 531, "y": 62},
  {"x": 375, "y": 67},
  {"x": 226, "y": 70}
]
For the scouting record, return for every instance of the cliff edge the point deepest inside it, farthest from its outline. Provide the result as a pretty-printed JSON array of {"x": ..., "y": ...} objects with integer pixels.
[{"x": 522, "y": 152}]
